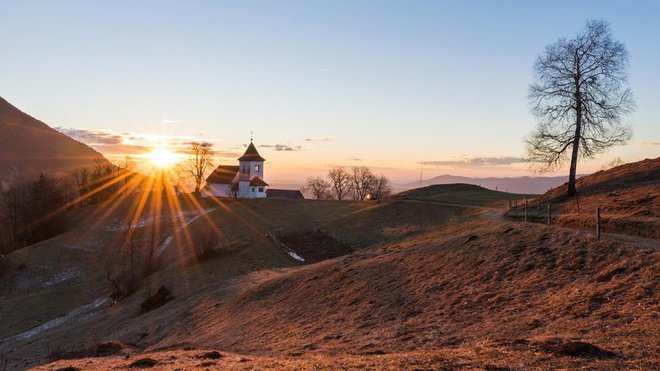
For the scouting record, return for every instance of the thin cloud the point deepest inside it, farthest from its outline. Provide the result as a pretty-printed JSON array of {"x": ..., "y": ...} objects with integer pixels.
[
  {"x": 649, "y": 144},
  {"x": 167, "y": 121},
  {"x": 282, "y": 147},
  {"x": 476, "y": 162},
  {"x": 122, "y": 149},
  {"x": 113, "y": 143},
  {"x": 320, "y": 139},
  {"x": 90, "y": 136},
  {"x": 227, "y": 154}
]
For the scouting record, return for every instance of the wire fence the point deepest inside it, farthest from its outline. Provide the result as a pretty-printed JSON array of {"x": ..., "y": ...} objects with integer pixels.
[{"x": 540, "y": 212}]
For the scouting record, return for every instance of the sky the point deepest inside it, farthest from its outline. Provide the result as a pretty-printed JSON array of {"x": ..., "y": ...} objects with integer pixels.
[{"x": 401, "y": 86}]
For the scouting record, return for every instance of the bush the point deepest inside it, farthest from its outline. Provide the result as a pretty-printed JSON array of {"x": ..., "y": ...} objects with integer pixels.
[{"x": 206, "y": 243}]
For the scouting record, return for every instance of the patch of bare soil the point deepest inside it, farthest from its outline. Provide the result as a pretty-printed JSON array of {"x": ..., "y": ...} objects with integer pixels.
[{"x": 315, "y": 245}]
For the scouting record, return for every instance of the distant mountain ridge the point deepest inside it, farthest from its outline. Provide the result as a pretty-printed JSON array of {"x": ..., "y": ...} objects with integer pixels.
[
  {"x": 525, "y": 184},
  {"x": 29, "y": 147}
]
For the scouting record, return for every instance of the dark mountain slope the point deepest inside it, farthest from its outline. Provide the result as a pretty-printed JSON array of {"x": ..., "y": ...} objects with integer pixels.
[
  {"x": 29, "y": 147},
  {"x": 523, "y": 185}
]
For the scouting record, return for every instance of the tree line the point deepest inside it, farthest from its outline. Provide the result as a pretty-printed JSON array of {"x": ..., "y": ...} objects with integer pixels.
[
  {"x": 357, "y": 183},
  {"x": 31, "y": 212}
]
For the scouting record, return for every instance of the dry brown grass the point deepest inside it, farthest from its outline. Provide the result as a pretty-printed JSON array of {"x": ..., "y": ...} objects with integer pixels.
[
  {"x": 434, "y": 289},
  {"x": 628, "y": 195}
]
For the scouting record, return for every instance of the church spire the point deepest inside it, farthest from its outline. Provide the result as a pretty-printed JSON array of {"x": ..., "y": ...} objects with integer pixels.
[{"x": 251, "y": 154}]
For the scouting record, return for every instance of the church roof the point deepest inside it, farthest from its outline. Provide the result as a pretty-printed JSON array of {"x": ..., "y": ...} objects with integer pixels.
[
  {"x": 251, "y": 154},
  {"x": 257, "y": 182},
  {"x": 223, "y": 174},
  {"x": 284, "y": 193}
]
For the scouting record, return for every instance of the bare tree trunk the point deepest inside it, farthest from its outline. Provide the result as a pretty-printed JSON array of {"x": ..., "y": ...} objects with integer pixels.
[{"x": 576, "y": 140}]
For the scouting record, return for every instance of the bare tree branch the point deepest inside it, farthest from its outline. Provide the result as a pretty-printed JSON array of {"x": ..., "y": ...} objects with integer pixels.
[
  {"x": 199, "y": 162},
  {"x": 579, "y": 97}
]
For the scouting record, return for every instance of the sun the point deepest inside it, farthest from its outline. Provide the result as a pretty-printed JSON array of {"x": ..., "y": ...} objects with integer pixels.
[{"x": 162, "y": 158}]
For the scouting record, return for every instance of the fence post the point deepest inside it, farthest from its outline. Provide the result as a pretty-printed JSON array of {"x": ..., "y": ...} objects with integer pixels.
[
  {"x": 598, "y": 222},
  {"x": 509, "y": 204},
  {"x": 525, "y": 199},
  {"x": 549, "y": 216}
]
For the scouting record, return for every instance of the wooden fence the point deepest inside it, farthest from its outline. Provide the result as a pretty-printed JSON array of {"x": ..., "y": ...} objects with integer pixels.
[{"x": 526, "y": 206}]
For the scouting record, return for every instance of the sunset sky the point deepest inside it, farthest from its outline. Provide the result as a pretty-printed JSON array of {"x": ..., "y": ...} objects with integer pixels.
[{"x": 399, "y": 86}]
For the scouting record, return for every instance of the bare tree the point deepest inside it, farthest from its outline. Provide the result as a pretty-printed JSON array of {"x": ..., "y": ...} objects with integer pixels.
[
  {"x": 580, "y": 96},
  {"x": 362, "y": 180},
  {"x": 318, "y": 186},
  {"x": 199, "y": 162},
  {"x": 127, "y": 164},
  {"x": 340, "y": 182},
  {"x": 126, "y": 167},
  {"x": 380, "y": 188},
  {"x": 613, "y": 163}
]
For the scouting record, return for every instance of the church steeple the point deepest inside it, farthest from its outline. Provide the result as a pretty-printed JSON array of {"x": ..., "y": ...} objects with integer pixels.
[{"x": 251, "y": 154}]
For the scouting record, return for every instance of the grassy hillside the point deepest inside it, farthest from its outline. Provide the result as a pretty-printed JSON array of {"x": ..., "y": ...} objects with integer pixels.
[
  {"x": 466, "y": 194},
  {"x": 427, "y": 285},
  {"x": 628, "y": 195},
  {"x": 495, "y": 296}
]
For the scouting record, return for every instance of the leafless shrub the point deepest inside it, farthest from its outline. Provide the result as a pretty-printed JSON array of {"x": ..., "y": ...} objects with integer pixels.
[
  {"x": 613, "y": 163},
  {"x": 124, "y": 276},
  {"x": 54, "y": 351},
  {"x": 206, "y": 243}
]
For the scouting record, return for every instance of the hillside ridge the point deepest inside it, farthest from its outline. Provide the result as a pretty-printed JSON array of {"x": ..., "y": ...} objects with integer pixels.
[{"x": 29, "y": 147}]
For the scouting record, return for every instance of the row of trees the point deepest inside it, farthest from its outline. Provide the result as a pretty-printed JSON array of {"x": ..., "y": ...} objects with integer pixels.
[
  {"x": 31, "y": 212},
  {"x": 358, "y": 183}
]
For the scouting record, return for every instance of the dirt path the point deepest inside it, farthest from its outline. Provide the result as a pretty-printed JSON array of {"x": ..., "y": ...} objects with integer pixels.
[
  {"x": 497, "y": 215},
  {"x": 484, "y": 212},
  {"x": 81, "y": 312},
  {"x": 168, "y": 241}
]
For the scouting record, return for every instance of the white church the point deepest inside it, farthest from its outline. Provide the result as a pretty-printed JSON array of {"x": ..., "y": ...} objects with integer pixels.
[{"x": 243, "y": 181}]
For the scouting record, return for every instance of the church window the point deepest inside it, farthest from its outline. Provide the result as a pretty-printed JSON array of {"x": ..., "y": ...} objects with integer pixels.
[
  {"x": 261, "y": 189},
  {"x": 256, "y": 167}
]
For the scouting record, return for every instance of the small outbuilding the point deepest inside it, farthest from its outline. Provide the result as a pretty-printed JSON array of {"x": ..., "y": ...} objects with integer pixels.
[{"x": 284, "y": 193}]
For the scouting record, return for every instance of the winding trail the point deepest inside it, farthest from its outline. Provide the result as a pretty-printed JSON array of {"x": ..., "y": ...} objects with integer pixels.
[
  {"x": 168, "y": 241},
  {"x": 82, "y": 312},
  {"x": 497, "y": 215}
]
